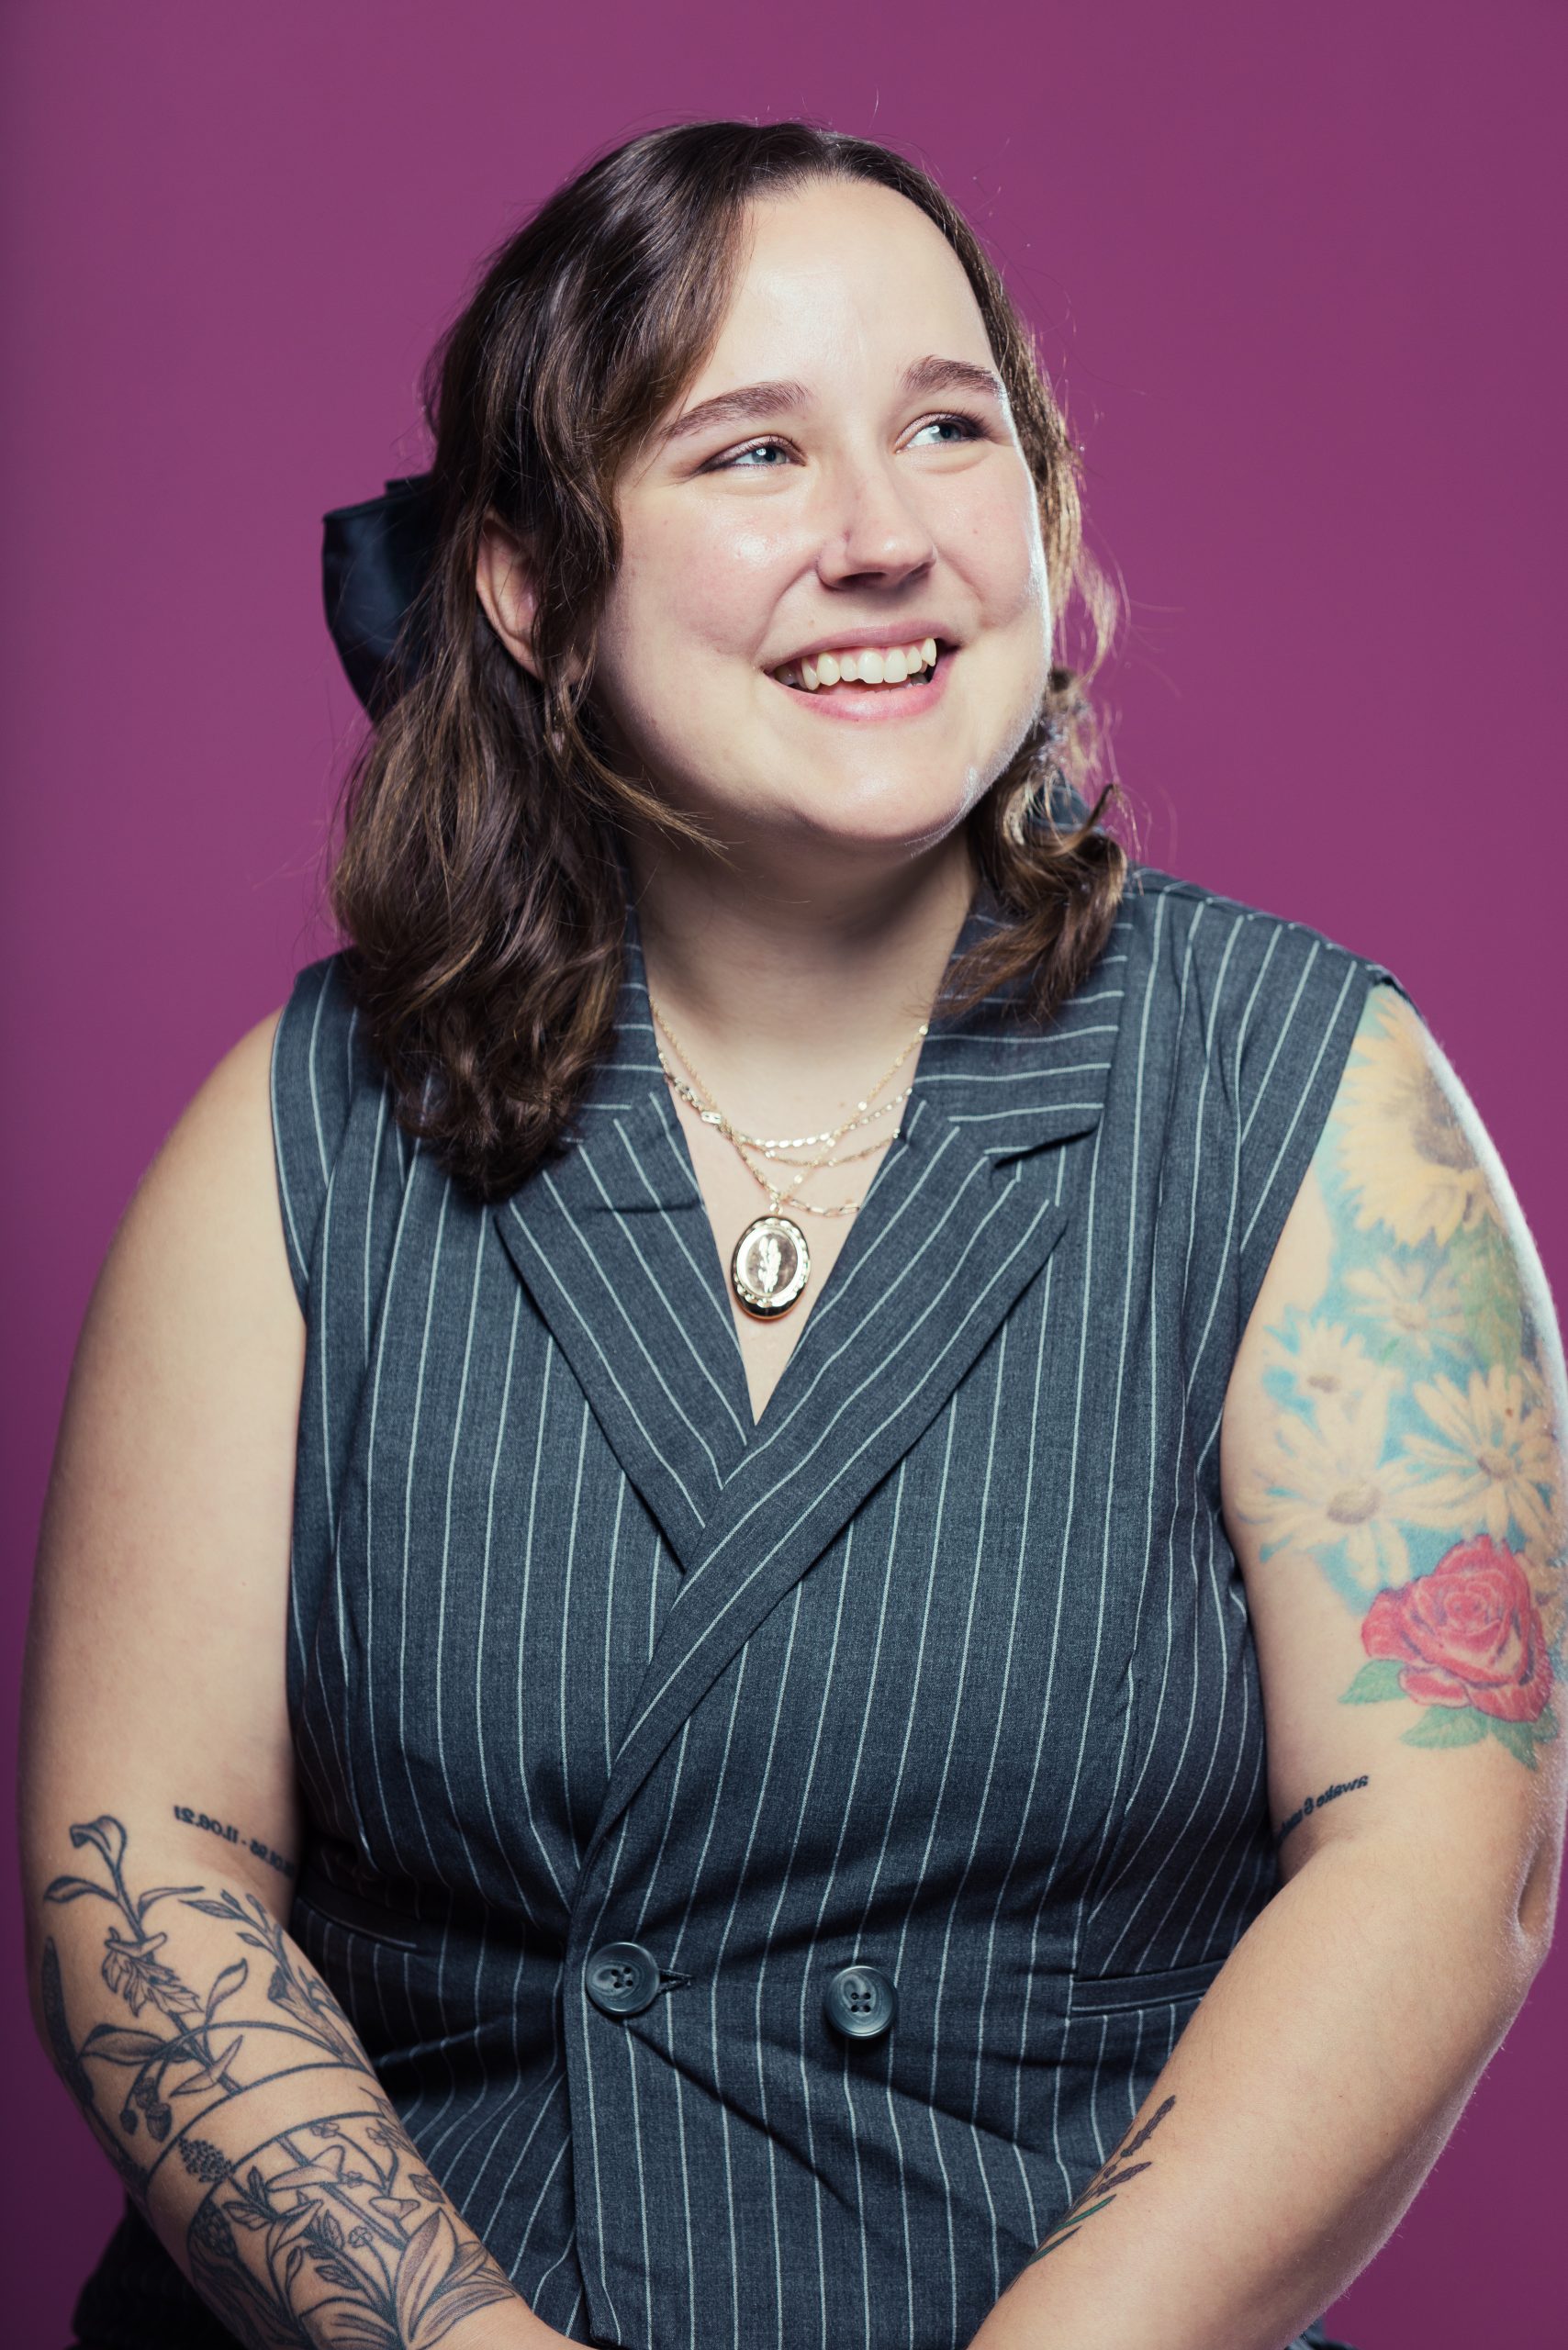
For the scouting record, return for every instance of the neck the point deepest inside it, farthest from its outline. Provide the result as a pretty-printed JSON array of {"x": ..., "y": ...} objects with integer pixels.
[{"x": 793, "y": 991}]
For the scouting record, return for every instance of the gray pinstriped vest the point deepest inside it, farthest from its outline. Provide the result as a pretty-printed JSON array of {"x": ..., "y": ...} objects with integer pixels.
[{"x": 944, "y": 1667}]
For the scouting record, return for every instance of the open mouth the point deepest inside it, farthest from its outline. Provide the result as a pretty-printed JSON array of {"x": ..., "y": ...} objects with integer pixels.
[{"x": 866, "y": 669}]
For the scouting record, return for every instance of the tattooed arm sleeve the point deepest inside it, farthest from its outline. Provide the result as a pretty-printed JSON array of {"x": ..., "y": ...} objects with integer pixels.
[
  {"x": 1393, "y": 1477},
  {"x": 1393, "y": 1474},
  {"x": 224, "y": 2083},
  {"x": 213, "y": 2067}
]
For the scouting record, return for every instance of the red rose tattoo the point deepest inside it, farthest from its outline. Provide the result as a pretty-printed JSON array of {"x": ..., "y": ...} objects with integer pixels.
[{"x": 1468, "y": 1634}]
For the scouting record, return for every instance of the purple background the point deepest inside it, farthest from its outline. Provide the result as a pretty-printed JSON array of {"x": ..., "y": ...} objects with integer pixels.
[{"x": 1294, "y": 271}]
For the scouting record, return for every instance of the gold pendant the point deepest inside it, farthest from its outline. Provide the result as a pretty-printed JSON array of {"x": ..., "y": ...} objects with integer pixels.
[{"x": 770, "y": 1267}]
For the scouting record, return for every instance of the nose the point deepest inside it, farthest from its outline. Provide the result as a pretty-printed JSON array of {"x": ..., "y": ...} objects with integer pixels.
[{"x": 872, "y": 531}]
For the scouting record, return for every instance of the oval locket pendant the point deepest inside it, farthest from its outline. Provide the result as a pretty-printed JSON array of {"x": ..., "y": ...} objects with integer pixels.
[{"x": 770, "y": 1267}]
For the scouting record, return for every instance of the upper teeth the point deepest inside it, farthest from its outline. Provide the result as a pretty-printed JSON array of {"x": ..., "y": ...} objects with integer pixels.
[{"x": 865, "y": 666}]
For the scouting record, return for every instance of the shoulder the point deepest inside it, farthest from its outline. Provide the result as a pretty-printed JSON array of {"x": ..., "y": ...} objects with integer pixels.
[
  {"x": 1247, "y": 1020},
  {"x": 325, "y": 1083},
  {"x": 219, "y": 1148},
  {"x": 1406, "y": 1157},
  {"x": 196, "y": 1268},
  {"x": 1272, "y": 1003},
  {"x": 320, "y": 1060},
  {"x": 1219, "y": 943}
]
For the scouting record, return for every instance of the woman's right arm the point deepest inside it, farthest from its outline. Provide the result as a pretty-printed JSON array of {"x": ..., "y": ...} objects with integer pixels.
[{"x": 159, "y": 1813}]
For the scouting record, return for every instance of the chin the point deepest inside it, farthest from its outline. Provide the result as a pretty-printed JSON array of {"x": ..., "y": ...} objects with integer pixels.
[{"x": 892, "y": 813}]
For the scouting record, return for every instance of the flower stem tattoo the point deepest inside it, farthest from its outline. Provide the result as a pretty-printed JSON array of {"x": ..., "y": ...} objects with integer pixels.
[
  {"x": 1102, "y": 2188},
  {"x": 329, "y": 2232},
  {"x": 1418, "y": 1415}
]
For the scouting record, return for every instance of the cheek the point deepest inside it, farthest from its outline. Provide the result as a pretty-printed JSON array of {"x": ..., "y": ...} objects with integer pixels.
[
  {"x": 692, "y": 584},
  {"x": 992, "y": 538}
]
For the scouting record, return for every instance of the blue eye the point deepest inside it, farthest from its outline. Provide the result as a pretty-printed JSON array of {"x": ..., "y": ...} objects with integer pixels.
[
  {"x": 969, "y": 428},
  {"x": 752, "y": 450}
]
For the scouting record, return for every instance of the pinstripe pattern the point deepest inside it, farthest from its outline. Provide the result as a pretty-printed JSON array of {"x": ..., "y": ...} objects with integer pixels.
[{"x": 945, "y": 1666}]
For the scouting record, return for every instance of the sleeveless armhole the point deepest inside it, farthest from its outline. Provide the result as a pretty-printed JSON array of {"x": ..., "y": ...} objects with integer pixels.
[
  {"x": 1289, "y": 1059},
  {"x": 315, "y": 1073}
]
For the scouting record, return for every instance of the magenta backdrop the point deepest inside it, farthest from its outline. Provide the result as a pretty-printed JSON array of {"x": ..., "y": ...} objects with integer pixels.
[{"x": 1294, "y": 271}]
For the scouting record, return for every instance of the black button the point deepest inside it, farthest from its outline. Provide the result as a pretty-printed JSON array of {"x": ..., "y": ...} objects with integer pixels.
[
  {"x": 861, "y": 2002},
  {"x": 622, "y": 1978}
]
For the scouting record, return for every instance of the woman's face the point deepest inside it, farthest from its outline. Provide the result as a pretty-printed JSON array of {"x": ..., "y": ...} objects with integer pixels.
[{"x": 860, "y": 486}]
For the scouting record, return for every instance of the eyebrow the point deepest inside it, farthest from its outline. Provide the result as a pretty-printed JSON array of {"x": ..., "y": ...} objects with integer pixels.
[{"x": 753, "y": 400}]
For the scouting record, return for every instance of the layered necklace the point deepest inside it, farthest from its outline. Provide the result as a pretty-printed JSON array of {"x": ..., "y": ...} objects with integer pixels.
[{"x": 771, "y": 1263}]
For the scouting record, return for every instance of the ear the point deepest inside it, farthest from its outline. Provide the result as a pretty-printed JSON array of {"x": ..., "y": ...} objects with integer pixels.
[{"x": 507, "y": 591}]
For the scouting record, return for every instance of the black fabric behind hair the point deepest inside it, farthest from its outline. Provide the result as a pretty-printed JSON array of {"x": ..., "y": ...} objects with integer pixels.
[{"x": 375, "y": 559}]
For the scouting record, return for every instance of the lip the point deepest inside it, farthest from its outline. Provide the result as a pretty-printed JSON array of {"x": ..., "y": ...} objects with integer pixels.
[
  {"x": 877, "y": 705},
  {"x": 907, "y": 632}
]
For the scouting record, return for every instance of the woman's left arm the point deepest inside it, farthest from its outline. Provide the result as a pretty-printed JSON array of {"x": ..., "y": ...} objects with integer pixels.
[{"x": 1393, "y": 1481}]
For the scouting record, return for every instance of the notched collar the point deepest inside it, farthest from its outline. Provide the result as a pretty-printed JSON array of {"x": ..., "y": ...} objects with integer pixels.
[
  {"x": 1008, "y": 1084},
  {"x": 613, "y": 1243}
]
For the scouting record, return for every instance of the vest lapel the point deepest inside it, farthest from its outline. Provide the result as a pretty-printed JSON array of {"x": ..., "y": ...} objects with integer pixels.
[
  {"x": 613, "y": 1244},
  {"x": 962, "y": 1214}
]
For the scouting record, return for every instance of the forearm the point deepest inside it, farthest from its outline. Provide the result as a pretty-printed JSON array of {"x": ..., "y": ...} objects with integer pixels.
[
  {"x": 226, "y": 2085},
  {"x": 1298, "y": 2114}
]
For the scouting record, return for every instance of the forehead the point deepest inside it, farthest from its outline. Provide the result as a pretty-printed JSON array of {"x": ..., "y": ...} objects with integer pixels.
[{"x": 835, "y": 279}]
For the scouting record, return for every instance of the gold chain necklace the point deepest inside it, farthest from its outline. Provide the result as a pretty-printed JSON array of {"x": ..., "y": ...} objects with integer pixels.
[
  {"x": 777, "y": 1146},
  {"x": 771, "y": 1264}
]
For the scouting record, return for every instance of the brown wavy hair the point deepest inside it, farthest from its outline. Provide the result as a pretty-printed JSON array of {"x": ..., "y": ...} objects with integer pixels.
[{"x": 480, "y": 883}]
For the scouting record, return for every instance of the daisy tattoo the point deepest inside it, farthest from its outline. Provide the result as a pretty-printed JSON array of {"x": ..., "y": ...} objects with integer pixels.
[{"x": 1418, "y": 1414}]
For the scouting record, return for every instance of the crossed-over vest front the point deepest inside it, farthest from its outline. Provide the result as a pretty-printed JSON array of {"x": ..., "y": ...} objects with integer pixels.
[{"x": 943, "y": 1667}]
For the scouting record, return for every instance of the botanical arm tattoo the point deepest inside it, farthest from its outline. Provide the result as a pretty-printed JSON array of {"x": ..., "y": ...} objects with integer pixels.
[
  {"x": 330, "y": 2232},
  {"x": 1102, "y": 2189},
  {"x": 1414, "y": 1440}
]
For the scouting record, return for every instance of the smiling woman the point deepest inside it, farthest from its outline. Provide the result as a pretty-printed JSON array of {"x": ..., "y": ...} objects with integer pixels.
[
  {"x": 717, "y": 601},
  {"x": 863, "y": 1508},
  {"x": 697, "y": 359}
]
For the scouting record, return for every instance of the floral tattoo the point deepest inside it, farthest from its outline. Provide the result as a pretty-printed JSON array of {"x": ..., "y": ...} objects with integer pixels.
[
  {"x": 1415, "y": 1445},
  {"x": 332, "y": 2233}
]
